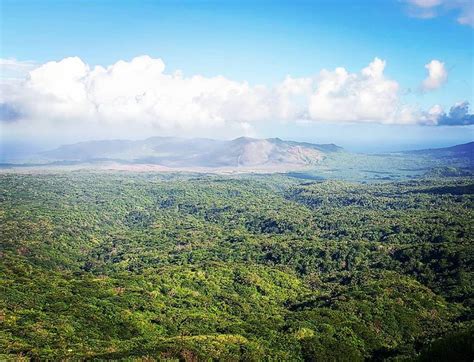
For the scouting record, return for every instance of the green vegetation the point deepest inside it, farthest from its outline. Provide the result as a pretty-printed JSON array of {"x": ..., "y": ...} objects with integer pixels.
[{"x": 193, "y": 267}]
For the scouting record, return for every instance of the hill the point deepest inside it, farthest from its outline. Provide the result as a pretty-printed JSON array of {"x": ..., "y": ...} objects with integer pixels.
[
  {"x": 196, "y": 152},
  {"x": 463, "y": 150},
  {"x": 250, "y": 155}
]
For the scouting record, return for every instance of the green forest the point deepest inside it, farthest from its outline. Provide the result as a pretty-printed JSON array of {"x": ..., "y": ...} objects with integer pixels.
[{"x": 110, "y": 265}]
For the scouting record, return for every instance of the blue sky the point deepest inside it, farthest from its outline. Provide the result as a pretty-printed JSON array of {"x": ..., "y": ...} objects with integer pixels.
[{"x": 260, "y": 42}]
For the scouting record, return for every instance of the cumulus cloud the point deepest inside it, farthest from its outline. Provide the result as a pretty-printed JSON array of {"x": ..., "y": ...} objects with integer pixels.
[
  {"x": 132, "y": 95},
  {"x": 139, "y": 97},
  {"x": 364, "y": 96},
  {"x": 437, "y": 75},
  {"x": 426, "y": 9},
  {"x": 458, "y": 115}
]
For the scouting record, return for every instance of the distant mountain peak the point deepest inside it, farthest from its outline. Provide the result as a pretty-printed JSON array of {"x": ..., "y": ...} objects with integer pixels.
[{"x": 177, "y": 152}]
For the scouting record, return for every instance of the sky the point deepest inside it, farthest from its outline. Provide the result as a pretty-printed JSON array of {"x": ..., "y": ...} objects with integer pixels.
[{"x": 367, "y": 75}]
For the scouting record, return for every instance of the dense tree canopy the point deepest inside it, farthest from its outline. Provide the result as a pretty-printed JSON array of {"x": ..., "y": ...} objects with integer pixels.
[{"x": 193, "y": 267}]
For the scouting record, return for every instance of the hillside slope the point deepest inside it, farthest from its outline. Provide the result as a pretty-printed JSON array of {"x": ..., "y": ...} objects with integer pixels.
[
  {"x": 462, "y": 150},
  {"x": 197, "y": 152}
]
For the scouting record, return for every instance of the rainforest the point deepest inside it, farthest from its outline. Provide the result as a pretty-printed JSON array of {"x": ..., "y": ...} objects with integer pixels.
[{"x": 192, "y": 267}]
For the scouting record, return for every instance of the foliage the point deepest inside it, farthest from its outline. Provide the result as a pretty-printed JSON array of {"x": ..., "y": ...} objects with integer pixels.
[{"x": 193, "y": 267}]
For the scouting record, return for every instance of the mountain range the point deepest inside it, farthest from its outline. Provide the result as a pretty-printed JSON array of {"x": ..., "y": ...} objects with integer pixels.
[
  {"x": 175, "y": 152},
  {"x": 246, "y": 154}
]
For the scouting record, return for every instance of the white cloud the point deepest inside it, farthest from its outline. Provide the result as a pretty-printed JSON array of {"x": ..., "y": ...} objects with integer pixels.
[
  {"x": 426, "y": 9},
  {"x": 71, "y": 96},
  {"x": 12, "y": 63},
  {"x": 139, "y": 98},
  {"x": 13, "y": 69},
  {"x": 437, "y": 75},
  {"x": 432, "y": 116},
  {"x": 458, "y": 115},
  {"x": 364, "y": 96}
]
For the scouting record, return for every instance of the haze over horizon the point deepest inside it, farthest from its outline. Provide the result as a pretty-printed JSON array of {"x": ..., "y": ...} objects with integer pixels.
[{"x": 376, "y": 77}]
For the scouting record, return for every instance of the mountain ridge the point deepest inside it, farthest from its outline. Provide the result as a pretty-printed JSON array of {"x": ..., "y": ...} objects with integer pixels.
[
  {"x": 195, "y": 152},
  {"x": 249, "y": 155},
  {"x": 466, "y": 148}
]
